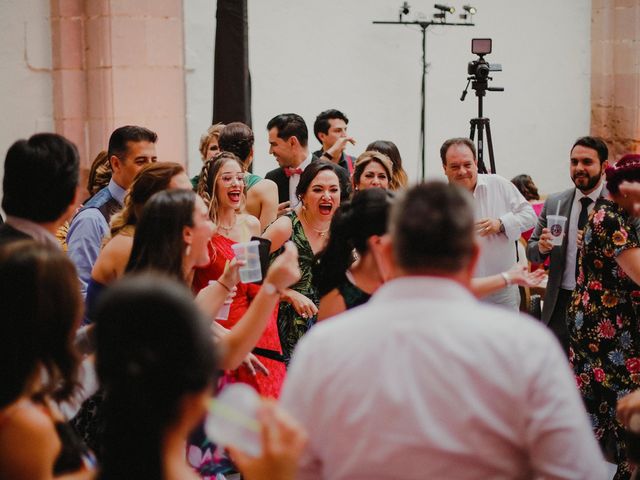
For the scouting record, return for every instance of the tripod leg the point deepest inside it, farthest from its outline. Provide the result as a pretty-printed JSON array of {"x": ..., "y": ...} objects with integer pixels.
[
  {"x": 490, "y": 144},
  {"x": 472, "y": 133},
  {"x": 481, "y": 166}
]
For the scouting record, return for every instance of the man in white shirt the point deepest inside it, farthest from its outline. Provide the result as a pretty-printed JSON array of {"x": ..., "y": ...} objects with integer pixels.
[
  {"x": 588, "y": 160},
  {"x": 425, "y": 382},
  {"x": 501, "y": 214}
]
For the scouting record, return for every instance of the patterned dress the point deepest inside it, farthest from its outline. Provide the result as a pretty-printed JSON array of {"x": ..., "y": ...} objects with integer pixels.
[
  {"x": 603, "y": 326},
  {"x": 292, "y": 326}
]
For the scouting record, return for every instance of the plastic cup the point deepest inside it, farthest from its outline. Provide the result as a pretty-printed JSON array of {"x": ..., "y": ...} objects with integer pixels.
[
  {"x": 233, "y": 419},
  {"x": 556, "y": 225},
  {"x": 248, "y": 251}
]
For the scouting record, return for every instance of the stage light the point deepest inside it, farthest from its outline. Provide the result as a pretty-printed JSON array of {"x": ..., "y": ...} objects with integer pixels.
[
  {"x": 439, "y": 16},
  {"x": 471, "y": 10},
  {"x": 444, "y": 8}
]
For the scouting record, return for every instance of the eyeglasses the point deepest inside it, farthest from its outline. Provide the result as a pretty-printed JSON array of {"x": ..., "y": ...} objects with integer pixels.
[{"x": 230, "y": 179}]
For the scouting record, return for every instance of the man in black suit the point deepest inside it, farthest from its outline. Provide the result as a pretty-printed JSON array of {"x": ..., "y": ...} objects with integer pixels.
[
  {"x": 40, "y": 188},
  {"x": 288, "y": 143},
  {"x": 588, "y": 161}
]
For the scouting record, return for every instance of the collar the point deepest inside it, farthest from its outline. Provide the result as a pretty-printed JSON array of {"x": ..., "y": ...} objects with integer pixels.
[
  {"x": 33, "y": 229},
  {"x": 420, "y": 287},
  {"x": 116, "y": 191},
  {"x": 593, "y": 195},
  {"x": 481, "y": 181}
]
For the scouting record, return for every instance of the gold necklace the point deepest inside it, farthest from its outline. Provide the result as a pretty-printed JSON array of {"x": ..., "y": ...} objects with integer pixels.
[
  {"x": 321, "y": 233},
  {"x": 230, "y": 227}
]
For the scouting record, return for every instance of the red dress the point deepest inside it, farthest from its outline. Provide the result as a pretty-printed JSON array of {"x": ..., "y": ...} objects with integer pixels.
[{"x": 220, "y": 251}]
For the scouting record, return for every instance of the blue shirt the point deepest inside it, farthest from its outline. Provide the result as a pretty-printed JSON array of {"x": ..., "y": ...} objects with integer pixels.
[{"x": 85, "y": 235}]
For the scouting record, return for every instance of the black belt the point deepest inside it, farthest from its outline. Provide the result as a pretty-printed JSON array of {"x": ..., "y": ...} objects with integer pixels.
[{"x": 271, "y": 354}]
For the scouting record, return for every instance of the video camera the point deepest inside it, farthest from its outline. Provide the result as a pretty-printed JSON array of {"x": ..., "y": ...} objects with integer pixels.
[{"x": 480, "y": 68}]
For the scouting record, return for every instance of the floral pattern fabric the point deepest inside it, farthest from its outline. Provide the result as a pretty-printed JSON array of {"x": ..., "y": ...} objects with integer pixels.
[
  {"x": 603, "y": 326},
  {"x": 292, "y": 326}
]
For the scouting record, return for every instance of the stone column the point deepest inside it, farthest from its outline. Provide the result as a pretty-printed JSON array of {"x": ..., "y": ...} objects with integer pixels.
[
  {"x": 615, "y": 74},
  {"x": 119, "y": 62}
]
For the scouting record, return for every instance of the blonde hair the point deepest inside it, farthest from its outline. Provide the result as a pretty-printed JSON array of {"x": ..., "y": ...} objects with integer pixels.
[
  {"x": 212, "y": 132},
  {"x": 151, "y": 179},
  {"x": 209, "y": 177}
]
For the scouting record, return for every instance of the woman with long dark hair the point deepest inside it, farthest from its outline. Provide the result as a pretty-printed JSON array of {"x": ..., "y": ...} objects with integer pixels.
[
  {"x": 156, "y": 361},
  {"x": 308, "y": 227},
  {"x": 399, "y": 179},
  {"x": 41, "y": 308},
  {"x": 351, "y": 267}
]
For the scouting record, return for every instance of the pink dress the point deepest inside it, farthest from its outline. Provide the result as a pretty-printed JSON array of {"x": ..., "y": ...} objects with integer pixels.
[{"x": 220, "y": 251}]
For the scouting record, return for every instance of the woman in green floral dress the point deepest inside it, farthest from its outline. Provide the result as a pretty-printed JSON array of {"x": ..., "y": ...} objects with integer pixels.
[
  {"x": 307, "y": 226},
  {"x": 603, "y": 314}
]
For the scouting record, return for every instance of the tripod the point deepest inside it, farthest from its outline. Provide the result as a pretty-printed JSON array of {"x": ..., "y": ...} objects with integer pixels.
[{"x": 481, "y": 123}]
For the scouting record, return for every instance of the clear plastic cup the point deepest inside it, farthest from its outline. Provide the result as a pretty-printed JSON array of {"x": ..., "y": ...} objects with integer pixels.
[
  {"x": 233, "y": 419},
  {"x": 556, "y": 225},
  {"x": 248, "y": 251}
]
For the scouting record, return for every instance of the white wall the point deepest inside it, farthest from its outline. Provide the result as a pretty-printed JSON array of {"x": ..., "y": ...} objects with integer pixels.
[
  {"x": 26, "y": 101},
  {"x": 307, "y": 56}
]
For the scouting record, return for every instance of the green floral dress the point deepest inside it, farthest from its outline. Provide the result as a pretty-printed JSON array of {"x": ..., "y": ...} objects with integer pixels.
[
  {"x": 603, "y": 326},
  {"x": 291, "y": 326}
]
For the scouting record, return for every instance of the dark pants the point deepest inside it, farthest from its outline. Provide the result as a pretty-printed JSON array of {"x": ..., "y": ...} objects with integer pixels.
[{"x": 558, "y": 320}]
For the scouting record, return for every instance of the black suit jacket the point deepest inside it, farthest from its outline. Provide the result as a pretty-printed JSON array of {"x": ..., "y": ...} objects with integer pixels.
[{"x": 282, "y": 181}]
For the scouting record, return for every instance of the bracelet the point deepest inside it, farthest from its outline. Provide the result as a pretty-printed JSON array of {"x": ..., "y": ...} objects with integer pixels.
[
  {"x": 225, "y": 287},
  {"x": 505, "y": 277}
]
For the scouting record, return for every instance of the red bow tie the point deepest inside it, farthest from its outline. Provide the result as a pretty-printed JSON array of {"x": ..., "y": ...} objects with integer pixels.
[{"x": 288, "y": 171}]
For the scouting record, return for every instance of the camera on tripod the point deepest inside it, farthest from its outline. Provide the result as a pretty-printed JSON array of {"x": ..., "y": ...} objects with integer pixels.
[{"x": 480, "y": 68}]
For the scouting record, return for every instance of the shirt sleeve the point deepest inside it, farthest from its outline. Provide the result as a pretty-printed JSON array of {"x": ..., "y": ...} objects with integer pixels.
[
  {"x": 558, "y": 434},
  {"x": 296, "y": 399},
  {"x": 520, "y": 217},
  {"x": 84, "y": 240}
]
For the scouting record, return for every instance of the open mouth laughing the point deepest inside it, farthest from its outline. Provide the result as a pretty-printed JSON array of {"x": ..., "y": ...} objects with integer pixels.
[{"x": 325, "y": 208}]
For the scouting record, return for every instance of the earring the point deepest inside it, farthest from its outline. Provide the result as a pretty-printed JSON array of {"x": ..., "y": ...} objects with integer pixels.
[{"x": 187, "y": 251}]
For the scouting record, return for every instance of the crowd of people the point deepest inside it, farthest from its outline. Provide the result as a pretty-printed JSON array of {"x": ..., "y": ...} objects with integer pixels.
[{"x": 385, "y": 336}]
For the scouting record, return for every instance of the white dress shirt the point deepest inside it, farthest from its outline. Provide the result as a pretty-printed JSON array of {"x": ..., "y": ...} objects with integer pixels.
[
  {"x": 496, "y": 197},
  {"x": 425, "y": 382},
  {"x": 294, "y": 180},
  {"x": 570, "y": 258}
]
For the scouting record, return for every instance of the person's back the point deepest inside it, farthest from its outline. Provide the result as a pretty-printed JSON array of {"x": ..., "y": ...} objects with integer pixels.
[{"x": 426, "y": 382}]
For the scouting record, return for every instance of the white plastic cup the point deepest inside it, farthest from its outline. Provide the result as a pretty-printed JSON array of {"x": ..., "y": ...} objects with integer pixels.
[
  {"x": 233, "y": 419},
  {"x": 248, "y": 251},
  {"x": 556, "y": 225}
]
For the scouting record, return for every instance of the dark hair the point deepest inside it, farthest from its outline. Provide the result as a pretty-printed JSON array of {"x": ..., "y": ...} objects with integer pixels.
[
  {"x": 290, "y": 125},
  {"x": 627, "y": 169},
  {"x": 456, "y": 141},
  {"x": 41, "y": 308},
  {"x": 399, "y": 176},
  {"x": 153, "y": 348},
  {"x": 321, "y": 125},
  {"x": 158, "y": 243},
  {"x": 99, "y": 173},
  {"x": 311, "y": 171},
  {"x": 40, "y": 177},
  {"x": 153, "y": 178},
  {"x": 594, "y": 143},
  {"x": 524, "y": 184},
  {"x": 236, "y": 138},
  {"x": 432, "y": 228},
  {"x": 351, "y": 226},
  {"x": 129, "y": 133},
  {"x": 209, "y": 174},
  {"x": 365, "y": 159}
]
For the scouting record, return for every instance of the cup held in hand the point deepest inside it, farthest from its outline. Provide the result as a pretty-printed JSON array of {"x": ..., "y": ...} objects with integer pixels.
[
  {"x": 557, "y": 224},
  {"x": 248, "y": 251}
]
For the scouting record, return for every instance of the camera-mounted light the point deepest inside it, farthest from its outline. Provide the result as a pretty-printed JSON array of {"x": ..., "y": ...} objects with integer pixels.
[{"x": 444, "y": 8}]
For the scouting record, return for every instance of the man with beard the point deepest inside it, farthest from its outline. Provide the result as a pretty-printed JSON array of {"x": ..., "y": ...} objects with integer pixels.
[{"x": 588, "y": 162}]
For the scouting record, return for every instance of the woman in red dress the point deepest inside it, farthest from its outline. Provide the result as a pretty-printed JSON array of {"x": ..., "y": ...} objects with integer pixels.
[{"x": 222, "y": 188}]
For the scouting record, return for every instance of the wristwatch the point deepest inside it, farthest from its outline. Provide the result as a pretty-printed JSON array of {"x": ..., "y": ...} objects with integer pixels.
[
  {"x": 270, "y": 289},
  {"x": 501, "y": 226}
]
